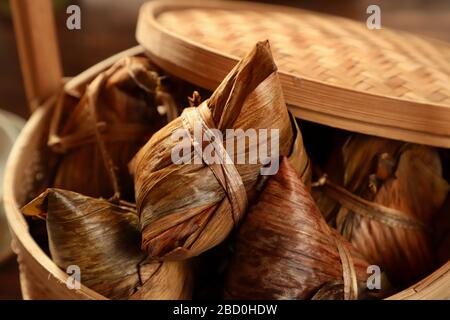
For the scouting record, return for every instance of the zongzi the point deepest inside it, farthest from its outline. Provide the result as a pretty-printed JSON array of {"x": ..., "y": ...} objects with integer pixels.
[
  {"x": 285, "y": 249},
  {"x": 383, "y": 197},
  {"x": 99, "y": 132},
  {"x": 102, "y": 240},
  {"x": 189, "y": 207}
]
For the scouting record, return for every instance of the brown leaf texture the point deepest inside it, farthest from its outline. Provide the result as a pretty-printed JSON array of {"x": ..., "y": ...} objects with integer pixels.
[
  {"x": 186, "y": 209},
  {"x": 405, "y": 189},
  {"x": 102, "y": 239},
  {"x": 286, "y": 250},
  {"x": 99, "y": 128}
]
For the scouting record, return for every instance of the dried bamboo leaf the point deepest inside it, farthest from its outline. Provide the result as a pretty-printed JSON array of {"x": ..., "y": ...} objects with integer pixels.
[
  {"x": 186, "y": 209},
  {"x": 102, "y": 239},
  {"x": 101, "y": 131},
  {"x": 333, "y": 290},
  {"x": 286, "y": 250},
  {"x": 171, "y": 280},
  {"x": 397, "y": 190}
]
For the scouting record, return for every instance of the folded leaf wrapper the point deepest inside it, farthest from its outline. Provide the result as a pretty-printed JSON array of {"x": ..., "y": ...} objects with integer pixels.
[
  {"x": 383, "y": 197},
  {"x": 102, "y": 239},
  {"x": 188, "y": 208},
  {"x": 99, "y": 128},
  {"x": 285, "y": 249}
]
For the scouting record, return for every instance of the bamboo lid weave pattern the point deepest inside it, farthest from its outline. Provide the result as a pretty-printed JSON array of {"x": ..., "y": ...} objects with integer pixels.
[{"x": 334, "y": 71}]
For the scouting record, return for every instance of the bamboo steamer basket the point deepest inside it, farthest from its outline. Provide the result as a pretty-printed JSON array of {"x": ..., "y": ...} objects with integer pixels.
[
  {"x": 40, "y": 277},
  {"x": 334, "y": 71}
]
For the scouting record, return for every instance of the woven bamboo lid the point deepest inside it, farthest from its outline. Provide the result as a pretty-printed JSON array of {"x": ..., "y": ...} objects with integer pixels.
[{"x": 334, "y": 71}]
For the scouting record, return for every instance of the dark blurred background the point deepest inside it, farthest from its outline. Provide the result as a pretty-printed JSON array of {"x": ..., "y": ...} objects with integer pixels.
[{"x": 108, "y": 27}]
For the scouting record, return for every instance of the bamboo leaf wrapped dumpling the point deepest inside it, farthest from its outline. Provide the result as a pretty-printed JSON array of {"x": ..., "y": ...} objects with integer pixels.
[
  {"x": 102, "y": 239},
  {"x": 284, "y": 249},
  {"x": 188, "y": 208},
  {"x": 384, "y": 197},
  {"x": 100, "y": 127}
]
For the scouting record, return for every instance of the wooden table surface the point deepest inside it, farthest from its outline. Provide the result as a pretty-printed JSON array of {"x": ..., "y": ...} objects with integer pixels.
[{"x": 108, "y": 27}]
